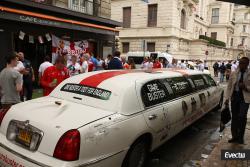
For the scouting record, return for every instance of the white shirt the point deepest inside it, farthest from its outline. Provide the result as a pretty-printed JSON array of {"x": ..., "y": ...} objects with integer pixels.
[
  {"x": 144, "y": 65},
  {"x": 19, "y": 66},
  {"x": 150, "y": 65},
  {"x": 85, "y": 66},
  {"x": 183, "y": 66},
  {"x": 74, "y": 69},
  {"x": 234, "y": 67},
  {"x": 44, "y": 66}
]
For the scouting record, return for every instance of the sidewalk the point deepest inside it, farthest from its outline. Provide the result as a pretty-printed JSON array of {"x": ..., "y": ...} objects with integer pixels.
[{"x": 214, "y": 159}]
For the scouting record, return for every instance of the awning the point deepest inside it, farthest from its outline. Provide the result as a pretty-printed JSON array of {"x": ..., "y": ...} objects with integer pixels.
[
  {"x": 241, "y": 2},
  {"x": 47, "y": 20}
]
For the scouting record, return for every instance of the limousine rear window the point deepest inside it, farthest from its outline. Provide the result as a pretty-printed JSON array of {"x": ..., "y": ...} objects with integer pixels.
[
  {"x": 179, "y": 85},
  {"x": 87, "y": 91},
  {"x": 209, "y": 80},
  {"x": 153, "y": 92},
  {"x": 199, "y": 82}
]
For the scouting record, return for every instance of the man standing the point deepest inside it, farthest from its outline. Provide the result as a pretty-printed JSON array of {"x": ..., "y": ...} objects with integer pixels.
[
  {"x": 222, "y": 72},
  {"x": 53, "y": 76},
  {"x": 115, "y": 63},
  {"x": 238, "y": 91},
  {"x": 28, "y": 77},
  {"x": 216, "y": 68},
  {"x": 11, "y": 83},
  {"x": 44, "y": 66}
]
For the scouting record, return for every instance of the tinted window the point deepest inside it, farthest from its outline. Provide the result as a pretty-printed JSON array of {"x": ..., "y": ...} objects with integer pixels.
[
  {"x": 153, "y": 92},
  {"x": 209, "y": 80},
  {"x": 87, "y": 91},
  {"x": 199, "y": 82},
  {"x": 179, "y": 85},
  {"x": 137, "y": 60}
]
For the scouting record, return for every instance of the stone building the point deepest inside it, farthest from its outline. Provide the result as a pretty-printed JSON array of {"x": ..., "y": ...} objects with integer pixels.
[
  {"x": 175, "y": 26},
  {"x": 241, "y": 37}
]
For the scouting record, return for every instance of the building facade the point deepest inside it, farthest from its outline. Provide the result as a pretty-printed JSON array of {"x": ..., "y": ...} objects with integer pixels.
[
  {"x": 25, "y": 25},
  {"x": 241, "y": 37},
  {"x": 175, "y": 26}
]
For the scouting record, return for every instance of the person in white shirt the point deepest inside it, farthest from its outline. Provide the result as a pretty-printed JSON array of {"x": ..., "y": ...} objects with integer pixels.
[
  {"x": 44, "y": 66},
  {"x": 150, "y": 64},
  {"x": 145, "y": 63},
  {"x": 183, "y": 64},
  {"x": 74, "y": 67},
  {"x": 85, "y": 66},
  {"x": 234, "y": 66}
]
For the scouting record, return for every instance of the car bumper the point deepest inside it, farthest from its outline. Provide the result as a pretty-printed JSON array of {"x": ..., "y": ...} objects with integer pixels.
[{"x": 15, "y": 156}]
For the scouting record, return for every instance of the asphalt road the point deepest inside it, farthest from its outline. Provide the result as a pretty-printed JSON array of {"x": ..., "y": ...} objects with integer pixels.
[{"x": 186, "y": 149}]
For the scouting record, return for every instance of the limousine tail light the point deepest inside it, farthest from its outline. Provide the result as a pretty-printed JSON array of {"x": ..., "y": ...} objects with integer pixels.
[
  {"x": 3, "y": 112},
  {"x": 68, "y": 146}
]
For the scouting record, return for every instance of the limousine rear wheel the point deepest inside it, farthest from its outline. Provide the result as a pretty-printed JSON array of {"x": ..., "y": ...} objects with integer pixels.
[{"x": 137, "y": 154}]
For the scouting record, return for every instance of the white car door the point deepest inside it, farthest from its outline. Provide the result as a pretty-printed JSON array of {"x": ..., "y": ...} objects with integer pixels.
[
  {"x": 179, "y": 108},
  {"x": 153, "y": 94}
]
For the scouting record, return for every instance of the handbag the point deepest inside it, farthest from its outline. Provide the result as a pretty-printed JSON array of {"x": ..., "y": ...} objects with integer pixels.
[{"x": 225, "y": 117}]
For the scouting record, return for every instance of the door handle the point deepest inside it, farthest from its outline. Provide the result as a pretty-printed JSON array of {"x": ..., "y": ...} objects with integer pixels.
[{"x": 152, "y": 117}]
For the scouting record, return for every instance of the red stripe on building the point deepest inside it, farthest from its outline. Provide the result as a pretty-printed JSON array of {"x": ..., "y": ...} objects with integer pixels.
[{"x": 96, "y": 79}]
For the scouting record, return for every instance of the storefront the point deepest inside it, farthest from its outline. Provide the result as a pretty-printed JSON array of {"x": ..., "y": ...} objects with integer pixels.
[{"x": 25, "y": 29}]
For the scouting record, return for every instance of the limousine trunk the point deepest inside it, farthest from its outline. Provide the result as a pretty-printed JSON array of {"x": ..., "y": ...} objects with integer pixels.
[{"x": 49, "y": 118}]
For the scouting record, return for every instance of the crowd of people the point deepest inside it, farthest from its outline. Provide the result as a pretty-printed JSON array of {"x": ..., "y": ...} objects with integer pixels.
[
  {"x": 224, "y": 69},
  {"x": 19, "y": 71}
]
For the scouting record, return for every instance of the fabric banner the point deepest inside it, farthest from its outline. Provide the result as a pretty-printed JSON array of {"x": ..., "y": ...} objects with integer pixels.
[{"x": 67, "y": 49}]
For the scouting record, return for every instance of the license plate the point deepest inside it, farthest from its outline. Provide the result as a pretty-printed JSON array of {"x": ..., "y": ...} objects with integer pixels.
[{"x": 24, "y": 137}]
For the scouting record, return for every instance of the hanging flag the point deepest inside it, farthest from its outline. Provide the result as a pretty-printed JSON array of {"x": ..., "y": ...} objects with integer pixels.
[
  {"x": 40, "y": 39},
  {"x": 145, "y": 1},
  {"x": 48, "y": 37},
  {"x": 21, "y": 35},
  {"x": 31, "y": 39}
]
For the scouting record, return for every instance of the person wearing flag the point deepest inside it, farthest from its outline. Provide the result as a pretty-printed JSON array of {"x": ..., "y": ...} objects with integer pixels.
[{"x": 53, "y": 76}]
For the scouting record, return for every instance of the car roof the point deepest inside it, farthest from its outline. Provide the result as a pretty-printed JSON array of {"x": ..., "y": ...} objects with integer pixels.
[{"x": 122, "y": 84}]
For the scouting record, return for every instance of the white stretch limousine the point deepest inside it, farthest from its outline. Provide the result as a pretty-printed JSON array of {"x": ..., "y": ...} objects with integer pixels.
[{"x": 105, "y": 118}]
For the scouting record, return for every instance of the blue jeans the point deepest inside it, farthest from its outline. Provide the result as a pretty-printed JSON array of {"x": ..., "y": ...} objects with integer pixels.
[{"x": 222, "y": 75}]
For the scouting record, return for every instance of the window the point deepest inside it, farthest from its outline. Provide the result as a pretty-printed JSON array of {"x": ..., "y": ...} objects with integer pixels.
[
  {"x": 232, "y": 42},
  {"x": 234, "y": 15},
  {"x": 243, "y": 41},
  {"x": 209, "y": 80},
  {"x": 97, "y": 93},
  {"x": 199, "y": 82},
  {"x": 151, "y": 46},
  {"x": 137, "y": 60},
  {"x": 84, "y": 6},
  {"x": 183, "y": 19},
  {"x": 127, "y": 17},
  {"x": 125, "y": 47},
  {"x": 152, "y": 15},
  {"x": 179, "y": 86},
  {"x": 153, "y": 93},
  {"x": 244, "y": 28},
  {"x": 214, "y": 35},
  {"x": 215, "y": 15},
  {"x": 246, "y": 16}
]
